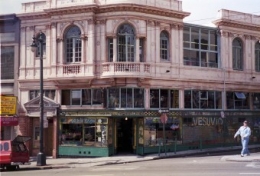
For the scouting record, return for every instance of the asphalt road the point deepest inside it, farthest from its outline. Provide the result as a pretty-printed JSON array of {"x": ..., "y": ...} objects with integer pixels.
[{"x": 188, "y": 166}]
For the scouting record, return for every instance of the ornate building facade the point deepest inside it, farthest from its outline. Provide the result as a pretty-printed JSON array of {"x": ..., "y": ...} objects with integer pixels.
[{"x": 111, "y": 67}]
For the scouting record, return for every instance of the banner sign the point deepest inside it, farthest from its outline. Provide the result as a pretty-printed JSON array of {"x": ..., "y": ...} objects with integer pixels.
[
  {"x": 8, "y": 105},
  {"x": 8, "y": 121}
]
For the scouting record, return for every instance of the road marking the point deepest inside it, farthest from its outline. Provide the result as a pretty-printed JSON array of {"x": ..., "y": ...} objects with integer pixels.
[
  {"x": 253, "y": 164},
  {"x": 115, "y": 168},
  {"x": 249, "y": 173}
]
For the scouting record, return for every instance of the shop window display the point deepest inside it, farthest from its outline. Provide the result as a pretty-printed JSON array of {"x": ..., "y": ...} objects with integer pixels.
[
  {"x": 153, "y": 131},
  {"x": 84, "y": 132}
]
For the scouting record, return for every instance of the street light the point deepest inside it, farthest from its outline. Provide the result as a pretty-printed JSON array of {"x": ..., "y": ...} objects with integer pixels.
[{"x": 41, "y": 158}]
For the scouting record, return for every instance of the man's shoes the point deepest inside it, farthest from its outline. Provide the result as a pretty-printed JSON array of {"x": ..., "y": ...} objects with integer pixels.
[{"x": 242, "y": 155}]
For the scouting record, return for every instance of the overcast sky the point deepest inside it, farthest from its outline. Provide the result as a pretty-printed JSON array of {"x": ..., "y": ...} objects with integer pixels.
[{"x": 202, "y": 11}]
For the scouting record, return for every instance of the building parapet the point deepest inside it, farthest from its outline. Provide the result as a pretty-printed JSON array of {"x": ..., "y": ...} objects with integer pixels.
[
  {"x": 240, "y": 17},
  {"x": 39, "y": 6}
]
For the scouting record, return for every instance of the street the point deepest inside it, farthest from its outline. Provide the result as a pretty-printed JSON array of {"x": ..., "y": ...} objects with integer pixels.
[{"x": 195, "y": 166}]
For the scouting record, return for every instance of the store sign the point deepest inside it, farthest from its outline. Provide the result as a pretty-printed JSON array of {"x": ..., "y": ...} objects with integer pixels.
[
  {"x": 207, "y": 121},
  {"x": 8, "y": 105},
  {"x": 8, "y": 121},
  {"x": 78, "y": 120}
]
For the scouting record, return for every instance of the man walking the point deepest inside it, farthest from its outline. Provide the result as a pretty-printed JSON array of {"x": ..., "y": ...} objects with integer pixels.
[{"x": 245, "y": 132}]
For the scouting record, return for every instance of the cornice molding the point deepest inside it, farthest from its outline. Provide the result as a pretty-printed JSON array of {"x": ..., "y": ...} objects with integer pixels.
[
  {"x": 235, "y": 24},
  {"x": 47, "y": 13}
]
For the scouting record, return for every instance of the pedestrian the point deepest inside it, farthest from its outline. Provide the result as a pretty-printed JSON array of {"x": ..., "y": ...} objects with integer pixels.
[{"x": 245, "y": 132}]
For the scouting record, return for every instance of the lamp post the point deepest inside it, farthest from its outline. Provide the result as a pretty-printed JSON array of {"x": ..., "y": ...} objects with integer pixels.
[{"x": 41, "y": 158}]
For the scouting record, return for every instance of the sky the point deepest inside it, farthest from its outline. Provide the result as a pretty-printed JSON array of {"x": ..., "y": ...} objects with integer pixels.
[{"x": 203, "y": 12}]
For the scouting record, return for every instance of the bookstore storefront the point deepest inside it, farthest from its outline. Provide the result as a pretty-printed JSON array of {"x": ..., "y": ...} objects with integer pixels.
[{"x": 106, "y": 133}]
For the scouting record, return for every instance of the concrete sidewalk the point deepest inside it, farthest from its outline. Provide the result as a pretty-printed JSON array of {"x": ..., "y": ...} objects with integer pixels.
[{"x": 120, "y": 159}]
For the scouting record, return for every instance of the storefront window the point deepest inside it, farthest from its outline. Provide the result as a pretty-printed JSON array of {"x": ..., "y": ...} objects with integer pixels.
[
  {"x": 84, "y": 131},
  {"x": 153, "y": 131}
]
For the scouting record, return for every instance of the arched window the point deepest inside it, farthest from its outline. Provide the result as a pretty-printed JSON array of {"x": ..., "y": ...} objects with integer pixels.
[
  {"x": 237, "y": 51},
  {"x": 164, "y": 45},
  {"x": 41, "y": 37},
  {"x": 257, "y": 57},
  {"x": 73, "y": 44},
  {"x": 126, "y": 43}
]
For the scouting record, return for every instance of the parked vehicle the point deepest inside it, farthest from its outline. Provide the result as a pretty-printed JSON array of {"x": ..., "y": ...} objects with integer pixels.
[{"x": 14, "y": 153}]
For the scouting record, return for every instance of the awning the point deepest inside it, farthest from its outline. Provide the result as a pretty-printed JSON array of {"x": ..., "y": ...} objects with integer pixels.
[
  {"x": 8, "y": 121},
  {"x": 240, "y": 95}
]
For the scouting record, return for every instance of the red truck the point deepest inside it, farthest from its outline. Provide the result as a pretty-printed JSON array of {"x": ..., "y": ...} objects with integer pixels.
[{"x": 14, "y": 153}]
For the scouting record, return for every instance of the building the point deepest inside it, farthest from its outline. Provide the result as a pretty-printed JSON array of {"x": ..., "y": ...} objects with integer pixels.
[
  {"x": 9, "y": 44},
  {"x": 115, "y": 69}
]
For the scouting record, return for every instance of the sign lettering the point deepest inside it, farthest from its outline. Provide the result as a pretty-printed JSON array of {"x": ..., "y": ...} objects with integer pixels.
[
  {"x": 207, "y": 121},
  {"x": 8, "y": 105}
]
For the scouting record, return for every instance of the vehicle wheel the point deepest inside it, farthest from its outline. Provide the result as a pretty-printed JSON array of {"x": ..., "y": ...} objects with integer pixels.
[{"x": 11, "y": 168}]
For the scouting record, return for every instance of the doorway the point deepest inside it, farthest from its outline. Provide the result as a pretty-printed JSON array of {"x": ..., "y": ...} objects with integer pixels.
[{"x": 125, "y": 135}]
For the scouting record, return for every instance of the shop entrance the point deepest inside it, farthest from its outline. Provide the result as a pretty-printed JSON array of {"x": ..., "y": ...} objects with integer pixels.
[{"x": 125, "y": 135}]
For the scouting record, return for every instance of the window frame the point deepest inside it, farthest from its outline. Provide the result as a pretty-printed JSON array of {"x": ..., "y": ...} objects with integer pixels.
[
  {"x": 71, "y": 48},
  {"x": 237, "y": 51},
  {"x": 38, "y": 49},
  {"x": 170, "y": 99},
  {"x": 257, "y": 56},
  {"x": 123, "y": 48},
  {"x": 194, "y": 48},
  {"x": 164, "y": 46}
]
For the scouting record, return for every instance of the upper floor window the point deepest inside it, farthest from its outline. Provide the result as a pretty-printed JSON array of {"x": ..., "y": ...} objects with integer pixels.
[
  {"x": 164, "y": 98},
  {"x": 256, "y": 100},
  {"x": 125, "y": 98},
  {"x": 73, "y": 44},
  {"x": 110, "y": 49},
  {"x": 41, "y": 37},
  {"x": 202, "y": 99},
  {"x": 47, "y": 93},
  {"x": 237, "y": 100},
  {"x": 257, "y": 57},
  {"x": 126, "y": 43},
  {"x": 237, "y": 54},
  {"x": 164, "y": 45},
  {"x": 82, "y": 97},
  {"x": 7, "y": 62},
  {"x": 200, "y": 47}
]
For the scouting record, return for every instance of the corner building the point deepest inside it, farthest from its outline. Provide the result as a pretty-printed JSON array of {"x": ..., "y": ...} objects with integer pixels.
[{"x": 111, "y": 66}]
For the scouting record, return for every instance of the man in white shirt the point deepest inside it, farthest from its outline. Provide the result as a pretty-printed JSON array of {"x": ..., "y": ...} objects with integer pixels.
[{"x": 245, "y": 132}]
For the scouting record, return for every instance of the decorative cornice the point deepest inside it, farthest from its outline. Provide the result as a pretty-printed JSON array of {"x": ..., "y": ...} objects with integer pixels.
[
  {"x": 237, "y": 25},
  {"x": 48, "y": 13}
]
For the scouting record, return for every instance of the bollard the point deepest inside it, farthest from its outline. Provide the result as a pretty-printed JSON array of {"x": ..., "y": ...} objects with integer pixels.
[{"x": 175, "y": 145}]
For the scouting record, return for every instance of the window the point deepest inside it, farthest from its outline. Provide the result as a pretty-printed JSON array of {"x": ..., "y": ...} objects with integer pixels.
[
  {"x": 38, "y": 50},
  {"x": 47, "y": 93},
  {"x": 202, "y": 99},
  {"x": 36, "y": 133},
  {"x": 200, "y": 47},
  {"x": 153, "y": 131},
  {"x": 110, "y": 49},
  {"x": 125, "y": 98},
  {"x": 141, "y": 49},
  {"x": 164, "y": 45},
  {"x": 7, "y": 62},
  {"x": 84, "y": 131},
  {"x": 237, "y": 100},
  {"x": 126, "y": 43},
  {"x": 237, "y": 51},
  {"x": 257, "y": 57},
  {"x": 82, "y": 97},
  {"x": 164, "y": 98},
  {"x": 73, "y": 44},
  {"x": 256, "y": 100}
]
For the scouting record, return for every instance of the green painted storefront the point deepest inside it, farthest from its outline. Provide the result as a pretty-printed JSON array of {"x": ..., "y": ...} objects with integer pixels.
[{"x": 141, "y": 131}]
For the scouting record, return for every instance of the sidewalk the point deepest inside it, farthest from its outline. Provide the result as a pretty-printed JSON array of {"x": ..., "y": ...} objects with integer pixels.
[{"x": 119, "y": 159}]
